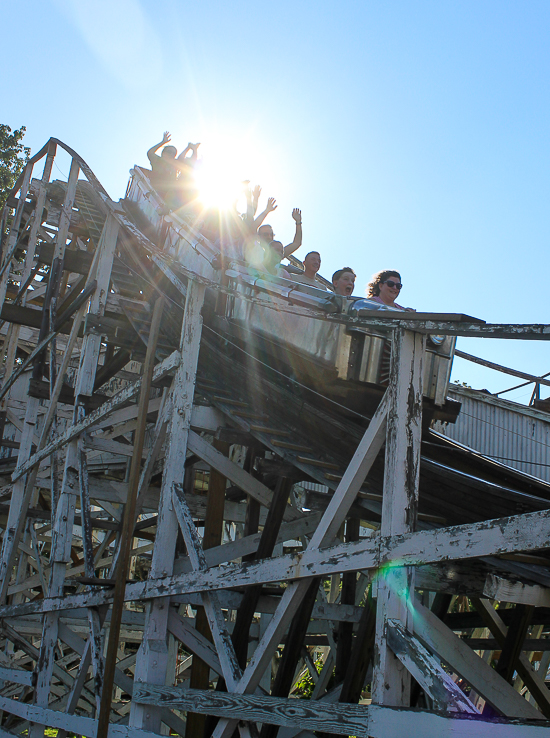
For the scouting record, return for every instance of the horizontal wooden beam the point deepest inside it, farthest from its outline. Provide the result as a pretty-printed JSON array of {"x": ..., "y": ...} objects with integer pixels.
[
  {"x": 19, "y": 676},
  {"x": 525, "y": 332},
  {"x": 487, "y": 538},
  {"x": 342, "y": 719},
  {"x": 503, "y": 590}
]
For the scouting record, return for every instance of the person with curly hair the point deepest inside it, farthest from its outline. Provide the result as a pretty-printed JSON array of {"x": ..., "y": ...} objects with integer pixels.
[{"x": 385, "y": 287}]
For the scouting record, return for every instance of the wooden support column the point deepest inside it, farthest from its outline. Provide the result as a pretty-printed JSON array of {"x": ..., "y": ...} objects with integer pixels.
[
  {"x": 347, "y": 597},
  {"x": 213, "y": 536},
  {"x": 24, "y": 484},
  {"x": 20, "y": 494},
  {"x": 128, "y": 525},
  {"x": 13, "y": 330},
  {"x": 152, "y": 659},
  {"x": 391, "y": 681},
  {"x": 361, "y": 655},
  {"x": 14, "y": 230}
]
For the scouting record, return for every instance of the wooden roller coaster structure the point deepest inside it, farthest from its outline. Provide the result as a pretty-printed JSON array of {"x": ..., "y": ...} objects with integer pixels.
[{"x": 220, "y": 516}]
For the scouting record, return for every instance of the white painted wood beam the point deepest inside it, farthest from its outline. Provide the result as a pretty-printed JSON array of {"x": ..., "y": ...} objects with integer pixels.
[
  {"x": 391, "y": 681},
  {"x": 528, "y": 532},
  {"x": 152, "y": 661}
]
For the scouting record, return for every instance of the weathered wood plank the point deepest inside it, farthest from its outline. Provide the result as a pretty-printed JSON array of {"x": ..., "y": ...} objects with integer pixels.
[
  {"x": 152, "y": 660},
  {"x": 528, "y": 532},
  {"x": 19, "y": 676},
  {"x": 445, "y": 693},
  {"x": 503, "y": 590},
  {"x": 372, "y": 720},
  {"x": 449, "y": 647},
  {"x": 391, "y": 681}
]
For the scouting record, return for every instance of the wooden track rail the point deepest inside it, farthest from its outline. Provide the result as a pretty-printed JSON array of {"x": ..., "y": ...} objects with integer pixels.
[{"x": 195, "y": 544}]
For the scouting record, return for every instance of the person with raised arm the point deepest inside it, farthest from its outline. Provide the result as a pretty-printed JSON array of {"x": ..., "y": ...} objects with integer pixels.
[
  {"x": 269, "y": 208},
  {"x": 312, "y": 264},
  {"x": 173, "y": 177},
  {"x": 265, "y": 232}
]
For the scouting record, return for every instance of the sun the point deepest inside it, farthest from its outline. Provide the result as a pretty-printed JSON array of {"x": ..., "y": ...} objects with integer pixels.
[
  {"x": 219, "y": 177},
  {"x": 227, "y": 161}
]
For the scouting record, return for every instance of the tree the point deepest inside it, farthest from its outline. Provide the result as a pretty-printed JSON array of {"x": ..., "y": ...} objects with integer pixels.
[{"x": 13, "y": 157}]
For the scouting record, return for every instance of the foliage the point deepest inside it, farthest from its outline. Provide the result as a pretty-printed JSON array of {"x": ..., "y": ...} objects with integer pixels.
[
  {"x": 13, "y": 157},
  {"x": 462, "y": 384},
  {"x": 305, "y": 685}
]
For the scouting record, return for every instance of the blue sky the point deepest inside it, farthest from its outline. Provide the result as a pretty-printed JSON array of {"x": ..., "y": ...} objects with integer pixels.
[{"x": 413, "y": 135}]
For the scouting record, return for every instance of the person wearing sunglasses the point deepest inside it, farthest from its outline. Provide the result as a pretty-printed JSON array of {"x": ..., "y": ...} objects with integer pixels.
[{"x": 385, "y": 287}]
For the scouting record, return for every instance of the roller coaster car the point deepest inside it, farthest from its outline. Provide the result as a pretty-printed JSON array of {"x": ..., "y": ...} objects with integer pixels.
[{"x": 305, "y": 333}]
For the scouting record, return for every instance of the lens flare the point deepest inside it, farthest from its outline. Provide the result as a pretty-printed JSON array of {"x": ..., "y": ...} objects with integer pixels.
[
  {"x": 220, "y": 173},
  {"x": 217, "y": 184}
]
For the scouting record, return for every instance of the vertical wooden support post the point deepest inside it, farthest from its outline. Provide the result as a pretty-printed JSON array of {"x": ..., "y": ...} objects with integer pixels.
[
  {"x": 347, "y": 597},
  {"x": 19, "y": 500},
  {"x": 128, "y": 525},
  {"x": 391, "y": 682},
  {"x": 152, "y": 657},
  {"x": 213, "y": 534},
  {"x": 361, "y": 654},
  {"x": 50, "y": 306}
]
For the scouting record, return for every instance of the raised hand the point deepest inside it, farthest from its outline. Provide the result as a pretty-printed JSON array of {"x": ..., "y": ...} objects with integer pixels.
[
  {"x": 166, "y": 137},
  {"x": 271, "y": 204},
  {"x": 257, "y": 191},
  {"x": 297, "y": 215}
]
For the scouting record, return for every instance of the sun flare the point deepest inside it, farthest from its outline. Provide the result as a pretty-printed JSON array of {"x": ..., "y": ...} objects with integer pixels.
[
  {"x": 224, "y": 164},
  {"x": 217, "y": 183}
]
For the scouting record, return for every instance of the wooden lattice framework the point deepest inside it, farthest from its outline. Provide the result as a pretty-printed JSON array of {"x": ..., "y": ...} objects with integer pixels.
[{"x": 114, "y": 407}]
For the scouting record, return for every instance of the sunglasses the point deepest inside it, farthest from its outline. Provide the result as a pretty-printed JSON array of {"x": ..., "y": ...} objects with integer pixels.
[{"x": 393, "y": 284}]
